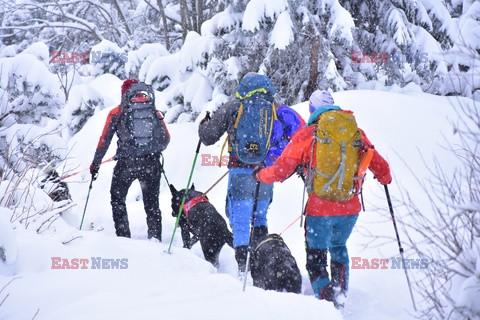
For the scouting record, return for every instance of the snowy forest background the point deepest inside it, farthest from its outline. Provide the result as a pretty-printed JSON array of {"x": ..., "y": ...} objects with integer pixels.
[{"x": 194, "y": 52}]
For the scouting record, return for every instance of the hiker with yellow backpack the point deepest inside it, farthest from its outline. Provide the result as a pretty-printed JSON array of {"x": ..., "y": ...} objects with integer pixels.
[
  {"x": 335, "y": 154},
  {"x": 258, "y": 131}
]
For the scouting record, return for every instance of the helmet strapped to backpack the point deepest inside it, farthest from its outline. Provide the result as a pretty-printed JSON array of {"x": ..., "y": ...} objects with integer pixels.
[
  {"x": 254, "y": 120},
  {"x": 337, "y": 145}
]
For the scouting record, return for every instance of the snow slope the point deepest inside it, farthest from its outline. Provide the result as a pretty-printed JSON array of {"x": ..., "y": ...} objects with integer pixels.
[{"x": 408, "y": 129}]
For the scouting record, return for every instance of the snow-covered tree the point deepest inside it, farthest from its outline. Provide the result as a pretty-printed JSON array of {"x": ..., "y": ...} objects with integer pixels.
[
  {"x": 302, "y": 44},
  {"x": 449, "y": 237}
]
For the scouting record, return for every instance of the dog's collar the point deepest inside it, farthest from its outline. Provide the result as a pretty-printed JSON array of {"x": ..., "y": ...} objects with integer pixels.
[
  {"x": 193, "y": 202},
  {"x": 270, "y": 237}
]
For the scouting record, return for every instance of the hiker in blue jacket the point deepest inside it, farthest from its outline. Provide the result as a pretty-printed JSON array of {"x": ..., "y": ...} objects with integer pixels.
[{"x": 241, "y": 185}]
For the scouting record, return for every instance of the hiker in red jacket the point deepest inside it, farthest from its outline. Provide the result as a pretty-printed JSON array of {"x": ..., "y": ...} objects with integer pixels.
[
  {"x": 328, "y": 223},
  {"x": 142, "y": 136}
]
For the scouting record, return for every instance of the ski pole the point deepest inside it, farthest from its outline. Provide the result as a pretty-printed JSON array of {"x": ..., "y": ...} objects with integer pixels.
[
  {"x": 361, "y": 200},
  {"x": 399, "y": 245},
  {"x": 184, "y": 195},
  {"x": 254, "y": 215},
  {"x": 86, "y": 202},
  {"x": 75, "y": 173},
  {"x": 303, "y": 204}
]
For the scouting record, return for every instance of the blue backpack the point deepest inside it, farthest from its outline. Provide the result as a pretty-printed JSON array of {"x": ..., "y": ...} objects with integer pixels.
[{"x": 255, "y": 119}]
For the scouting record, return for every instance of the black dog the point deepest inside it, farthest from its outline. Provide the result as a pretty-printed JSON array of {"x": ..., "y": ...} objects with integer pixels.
[
  {"x": 56, "y": 189},
  {"x": 273, "y": 267},
  {"x": 200, "y": 218}
]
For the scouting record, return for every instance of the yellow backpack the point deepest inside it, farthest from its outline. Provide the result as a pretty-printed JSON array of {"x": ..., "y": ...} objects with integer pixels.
[{"x": 338, "y": 142}]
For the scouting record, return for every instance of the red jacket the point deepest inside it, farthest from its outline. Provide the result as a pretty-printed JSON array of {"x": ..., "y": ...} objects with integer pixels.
[{"x": 298, "y": 152}]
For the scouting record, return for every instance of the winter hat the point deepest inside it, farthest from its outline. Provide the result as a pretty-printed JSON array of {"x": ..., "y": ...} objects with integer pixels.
[
  {"x": 127, "y": 84},
  {"x": 319, "y": 99}
]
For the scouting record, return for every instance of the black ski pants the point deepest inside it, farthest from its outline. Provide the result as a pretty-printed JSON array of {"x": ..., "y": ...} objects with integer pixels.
[{"x": 147, "y": 170}]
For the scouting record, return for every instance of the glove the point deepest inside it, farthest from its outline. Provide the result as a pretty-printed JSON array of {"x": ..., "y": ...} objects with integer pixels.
[
  {"x": 386, "y": 179},
  {"x": 256, "y": 170},
  {"x": 94, "y": 171},
  {"x": 206, "y": 119},
  {"x": 301, "y": 172}
]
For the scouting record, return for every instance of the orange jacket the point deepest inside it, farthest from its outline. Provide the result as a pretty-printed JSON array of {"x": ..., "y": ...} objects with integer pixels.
[{"x": 298, "y": 153}]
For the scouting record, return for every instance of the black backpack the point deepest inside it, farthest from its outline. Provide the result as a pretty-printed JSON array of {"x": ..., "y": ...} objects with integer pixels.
[{"x": 143, "y": 130}]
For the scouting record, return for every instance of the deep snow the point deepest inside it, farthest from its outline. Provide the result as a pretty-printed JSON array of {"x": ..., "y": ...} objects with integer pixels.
[{"x": 406, "y": 128}]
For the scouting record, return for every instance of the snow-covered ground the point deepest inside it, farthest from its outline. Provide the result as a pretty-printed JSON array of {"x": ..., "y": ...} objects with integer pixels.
[{"x": 408, "y": 129}]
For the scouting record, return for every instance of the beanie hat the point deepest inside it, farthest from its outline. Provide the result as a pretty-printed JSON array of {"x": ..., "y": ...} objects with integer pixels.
[
  {"x": 319, "y": 99},
  {"x": 127, "y": 84}
]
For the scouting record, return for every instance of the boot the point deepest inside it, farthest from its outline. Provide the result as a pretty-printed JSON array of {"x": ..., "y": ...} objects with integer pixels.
[
  {"x": 317, "y": 270},
  {"x": 241, "y": 257},
  {"x": 155, "y": 233},
  {"x": 154, "y": 224},
  {"x": 259, "y": 233},
  {"x": 336, "y": 291},
  {"x": 120, "y": 220},
  {"x": 122, "y": 230}
]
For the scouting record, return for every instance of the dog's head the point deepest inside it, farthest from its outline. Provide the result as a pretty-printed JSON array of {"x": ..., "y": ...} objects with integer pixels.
[
  {"x": 177, "y": 196},
  {"x": 56, "y": 189}
]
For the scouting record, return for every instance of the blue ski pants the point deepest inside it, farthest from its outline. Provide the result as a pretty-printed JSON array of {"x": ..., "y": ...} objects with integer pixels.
[
  {"x": 330, "y": 233},
  {"x": 240, "y": 201}
]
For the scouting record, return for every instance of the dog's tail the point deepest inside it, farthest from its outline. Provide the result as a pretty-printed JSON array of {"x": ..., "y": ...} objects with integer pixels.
[{"x": 229, "y": 238}]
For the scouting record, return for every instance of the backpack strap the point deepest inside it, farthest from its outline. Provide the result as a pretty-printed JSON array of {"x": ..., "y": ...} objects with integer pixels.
[
  {"x": 251, "y": 93},
  {"x": 221, "y": 151},
  {"x": 239, "y": 113},
  {"x": 365, "y": 160},
  {"x": 227, "y": 139}
]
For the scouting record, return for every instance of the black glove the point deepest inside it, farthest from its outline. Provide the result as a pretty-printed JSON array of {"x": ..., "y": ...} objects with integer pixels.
[
  {"x": 94, "y": 170},
  {"x": 255, "y": 171},
  {"x": 206, "y": 119},
  {"x": 300, "y": 171}
]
